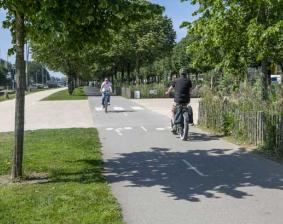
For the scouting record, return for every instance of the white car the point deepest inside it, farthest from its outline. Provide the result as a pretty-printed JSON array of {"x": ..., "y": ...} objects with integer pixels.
[{"x": 276, "y": 79}]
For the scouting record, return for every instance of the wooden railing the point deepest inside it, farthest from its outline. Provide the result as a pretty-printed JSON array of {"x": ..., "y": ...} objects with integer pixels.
[{"x": 261, "y": 128}]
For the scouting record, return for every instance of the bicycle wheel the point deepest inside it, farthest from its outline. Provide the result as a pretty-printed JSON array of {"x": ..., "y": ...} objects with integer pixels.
[
  {"x": 185, "y": 128},
  {"x": 105, "y": 104},
  {"x": 173, "y": 127}
]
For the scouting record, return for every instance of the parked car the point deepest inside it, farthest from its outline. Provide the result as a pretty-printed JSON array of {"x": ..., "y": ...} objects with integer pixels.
[
  {"x": 276, "y": 79},
  {"x": 52, "y": 84},
  {"x": 39, "y": 85}
]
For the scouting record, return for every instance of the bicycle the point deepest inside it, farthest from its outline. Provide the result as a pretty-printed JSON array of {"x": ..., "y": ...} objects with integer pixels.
[
  {"x": 182, "y": 119},
  {"x": 106, "y": 96}
]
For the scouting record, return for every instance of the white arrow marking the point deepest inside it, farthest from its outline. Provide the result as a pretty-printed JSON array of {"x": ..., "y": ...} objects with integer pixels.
[
  {"x": 143, "y": 128},
  {"x": 193, "y": 168}
]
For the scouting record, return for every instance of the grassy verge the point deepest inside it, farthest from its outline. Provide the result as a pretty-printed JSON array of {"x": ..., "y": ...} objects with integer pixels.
[
  {"x": 11, "y": 96},
  {"x": 78, "y": 94},
  {"x": 76, "y": 191}
]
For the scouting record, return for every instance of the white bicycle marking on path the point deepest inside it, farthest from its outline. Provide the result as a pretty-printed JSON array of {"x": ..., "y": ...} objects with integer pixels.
[
  {"x": 118, "y": 108},
  {"x": 143, "y": 128},
  {"x": 160, "y": 129},
  {"x": 191, "y": 167},
  {"x": 118, "y": 131},
  {"x": 137, "y": 108},
  {"x": 121, "y": 129}
]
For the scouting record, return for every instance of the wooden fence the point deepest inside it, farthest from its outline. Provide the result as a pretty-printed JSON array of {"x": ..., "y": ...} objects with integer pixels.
[{"x": 261, "y": 128}]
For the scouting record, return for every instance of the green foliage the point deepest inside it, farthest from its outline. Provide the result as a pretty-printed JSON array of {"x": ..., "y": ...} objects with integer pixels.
[
  {"x": 3, "y": 73},
  {"x": 76, "y": 191},
  {"x": 233, "y": 35},
  {"x": 145, "y": 90},
  {"x": 270, "y": 138},
  {"x": 244, "y": 116},
  {"x": 228, "y": 123},
  {"x": 141, "y": 36},
  {"x": 36, "y": 70}
]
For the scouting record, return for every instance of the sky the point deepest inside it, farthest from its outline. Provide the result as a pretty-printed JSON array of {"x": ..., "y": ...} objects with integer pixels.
[
  {"x": 175, "y": 9},
  {"x": 179, "y": 12}
]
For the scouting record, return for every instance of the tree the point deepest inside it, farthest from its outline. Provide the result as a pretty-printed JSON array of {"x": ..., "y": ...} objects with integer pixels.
[
  {"x": 138, "y": 45},
  {"x": 233, "y": 35},
  {"x": 37, "y": 73},
  {"x": 38, "y": 20}
]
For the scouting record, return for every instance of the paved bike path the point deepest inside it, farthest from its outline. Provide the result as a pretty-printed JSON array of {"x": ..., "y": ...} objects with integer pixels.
[
  {"x": 47, "y": 114},
  {"x": 159, "y": 179}
]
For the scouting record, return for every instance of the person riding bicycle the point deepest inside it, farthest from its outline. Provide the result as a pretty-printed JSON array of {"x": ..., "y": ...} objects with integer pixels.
[
  {"x": 182, "y": 87},
  {"x": 106, "y": 89}
]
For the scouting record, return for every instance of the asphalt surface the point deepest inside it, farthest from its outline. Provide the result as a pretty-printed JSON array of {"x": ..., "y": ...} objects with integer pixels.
[{"x": 159, "y": 179}]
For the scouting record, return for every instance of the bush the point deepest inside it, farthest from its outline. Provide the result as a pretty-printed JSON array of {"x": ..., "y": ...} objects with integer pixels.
[{"x": 145, "y": 90}]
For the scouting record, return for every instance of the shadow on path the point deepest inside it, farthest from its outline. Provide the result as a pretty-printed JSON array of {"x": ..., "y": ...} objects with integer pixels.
[
  {"x": 201, "y": 137},
  {"x": 120, "y": 111},
  {"x": 225, "y": 172}
]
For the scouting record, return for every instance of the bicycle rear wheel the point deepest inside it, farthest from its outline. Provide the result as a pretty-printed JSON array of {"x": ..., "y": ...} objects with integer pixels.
[{"x": 185, "y": 128}]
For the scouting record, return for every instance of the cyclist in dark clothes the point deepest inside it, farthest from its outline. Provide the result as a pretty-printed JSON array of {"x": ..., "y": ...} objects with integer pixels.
[{"x": 182, "y": 87}]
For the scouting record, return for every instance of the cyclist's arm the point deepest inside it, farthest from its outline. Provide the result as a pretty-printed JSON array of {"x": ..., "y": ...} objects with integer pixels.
[
  {"x": 101, "y": 87},
  {"x": 169, "y": 90},
  {"x": 190, "y": 88}
]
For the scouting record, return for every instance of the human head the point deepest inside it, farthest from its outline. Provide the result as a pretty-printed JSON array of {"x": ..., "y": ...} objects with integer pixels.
[
  {"x": 106, "y": 80},
  {"x": 183, "y": 72}
]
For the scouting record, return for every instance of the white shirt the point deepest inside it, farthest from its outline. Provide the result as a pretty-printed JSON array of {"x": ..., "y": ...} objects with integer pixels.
[{"x": 105, "y": 86}]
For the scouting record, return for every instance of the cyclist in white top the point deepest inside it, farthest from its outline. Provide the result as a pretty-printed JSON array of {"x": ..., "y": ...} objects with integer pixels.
[{"x": 106, "y": 88}]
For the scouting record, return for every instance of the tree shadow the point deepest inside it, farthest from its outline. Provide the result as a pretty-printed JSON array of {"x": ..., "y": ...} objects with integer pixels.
[
  {"x": 201, "y": 137},
  {"x": 79, "y": 171},
  {"x": 120, "y": 111},
  {"x": 225, "y": 172}
]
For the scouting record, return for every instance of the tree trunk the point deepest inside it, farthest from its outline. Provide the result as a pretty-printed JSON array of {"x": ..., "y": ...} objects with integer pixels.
[
  {"x": 129, "y": 73},
  {"x": 75, "y": 81},
  {"x": 211, "y": 81},
  {"x": 112, "y": 81},
  {"x": 20, "y": 98},
  {"x": 71, "y": 86},
  {"x": 197, "y": 76},
  {"x": 266, "y": 77},
  {"x": 123, "y": 75},
  {"x": 281, "y": 65}
]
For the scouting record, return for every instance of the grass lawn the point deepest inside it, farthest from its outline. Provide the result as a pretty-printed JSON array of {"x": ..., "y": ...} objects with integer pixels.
[
  {"x": 76, "y": 192},
  {"x": 78, "y": 94}
]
